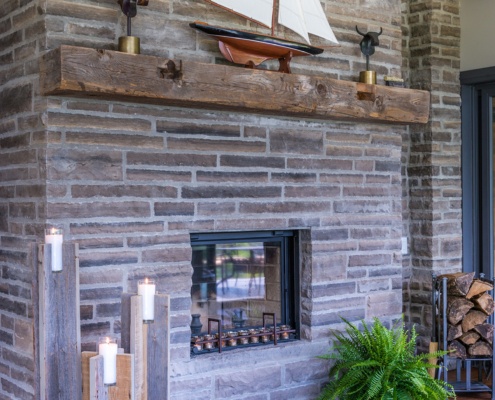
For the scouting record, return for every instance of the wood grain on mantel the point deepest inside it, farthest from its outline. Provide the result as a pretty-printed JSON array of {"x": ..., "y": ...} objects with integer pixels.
[{"x": 111, "y": 75}]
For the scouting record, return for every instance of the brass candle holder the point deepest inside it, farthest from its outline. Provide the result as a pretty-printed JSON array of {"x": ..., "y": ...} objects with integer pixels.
[
  {"x": 367, "y": 77},
  {"x": 129, "y": 44}
]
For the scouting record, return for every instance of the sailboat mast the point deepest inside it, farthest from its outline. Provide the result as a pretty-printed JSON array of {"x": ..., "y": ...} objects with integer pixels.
[{"x": 274, "y": 16}]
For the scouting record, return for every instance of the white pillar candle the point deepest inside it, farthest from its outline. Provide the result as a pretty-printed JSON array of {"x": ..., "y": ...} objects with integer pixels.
[
  {"x": 147, "y": 289},
  {"x": 55, "y": 237},
  {"x": 108, "y": 349}
]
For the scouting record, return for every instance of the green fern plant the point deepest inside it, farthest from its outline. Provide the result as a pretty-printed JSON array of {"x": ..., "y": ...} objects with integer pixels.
[{"x": 378, "y": 363}]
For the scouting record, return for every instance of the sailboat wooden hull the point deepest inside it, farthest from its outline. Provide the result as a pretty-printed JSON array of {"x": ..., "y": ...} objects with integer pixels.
[{"x": 251, "y": 49}]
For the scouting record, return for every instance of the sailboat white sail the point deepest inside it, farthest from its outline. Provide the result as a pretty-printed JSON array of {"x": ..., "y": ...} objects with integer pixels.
[
  {"x": 259, "y": 11},
  {"x": 301, "y": 16},
  {"x": 305, "y": 16}
]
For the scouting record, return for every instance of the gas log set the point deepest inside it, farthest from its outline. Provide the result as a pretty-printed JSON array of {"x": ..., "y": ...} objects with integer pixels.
[{"x": 469, "y": 306}]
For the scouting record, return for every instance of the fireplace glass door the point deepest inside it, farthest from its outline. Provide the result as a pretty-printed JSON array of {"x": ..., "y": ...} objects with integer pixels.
[{"x": 239, "y": 277}]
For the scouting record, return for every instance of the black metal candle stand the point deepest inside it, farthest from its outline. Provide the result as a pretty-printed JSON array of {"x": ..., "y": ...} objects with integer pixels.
[{"x": 224, "y": 341}]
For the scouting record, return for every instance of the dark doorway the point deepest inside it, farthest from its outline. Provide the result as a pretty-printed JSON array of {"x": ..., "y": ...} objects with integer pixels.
[{"x": 478, "y": 92}]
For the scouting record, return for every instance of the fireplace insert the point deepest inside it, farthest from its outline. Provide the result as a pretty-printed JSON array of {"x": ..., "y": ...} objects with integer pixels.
[{"x": 244, "y": 282}]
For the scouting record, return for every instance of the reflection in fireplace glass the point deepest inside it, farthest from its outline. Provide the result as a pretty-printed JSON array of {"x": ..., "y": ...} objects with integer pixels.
[{"x": 239, "y": 276}]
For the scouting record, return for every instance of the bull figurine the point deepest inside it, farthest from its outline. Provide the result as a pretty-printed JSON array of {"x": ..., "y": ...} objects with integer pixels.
[
  {"x": 129, "y": 8},
  {"x": 368, "y": 43},
  {"x": 129, "y": 43}
]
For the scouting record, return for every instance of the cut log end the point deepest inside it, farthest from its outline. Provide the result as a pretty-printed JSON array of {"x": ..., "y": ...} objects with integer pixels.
[
  {"x": 454, "y": 332},
  {"x": 457, "y": 308},
  {"x": 480, "y": 349},
  {"x": 485, "y": 331},
  {"x": 477, "y": 287},
  {"x": 469, "y": 338},
  {"x": 484, "y": 303},
  {"x": 458, "y": 284},
  {"x": 473, "y": 318},
  {"x": 457, "y": 349}
]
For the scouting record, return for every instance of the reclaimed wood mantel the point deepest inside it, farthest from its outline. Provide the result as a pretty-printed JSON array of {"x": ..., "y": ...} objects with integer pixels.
[{"x": 112, "y": 75}]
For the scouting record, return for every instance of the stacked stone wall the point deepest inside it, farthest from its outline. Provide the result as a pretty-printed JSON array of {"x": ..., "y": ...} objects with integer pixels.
[
  {"x": 22, "y": 191},
  {"x": 433, "y": 164}
]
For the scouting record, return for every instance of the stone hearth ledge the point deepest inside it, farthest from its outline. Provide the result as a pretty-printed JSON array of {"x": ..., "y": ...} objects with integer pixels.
[{"x": 111, "y": 75}]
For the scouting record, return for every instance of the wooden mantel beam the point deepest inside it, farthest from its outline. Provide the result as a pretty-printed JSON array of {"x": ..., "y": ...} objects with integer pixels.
[{"x": 111, "y": 75}]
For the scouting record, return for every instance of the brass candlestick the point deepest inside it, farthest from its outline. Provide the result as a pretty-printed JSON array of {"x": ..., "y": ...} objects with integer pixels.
[
  {"x": 367, "y": 77},
  {"x": 129, "y": 44}
]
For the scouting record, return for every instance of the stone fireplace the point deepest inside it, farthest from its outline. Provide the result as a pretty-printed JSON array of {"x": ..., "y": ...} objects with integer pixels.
[{"x": 131, "y": 182}]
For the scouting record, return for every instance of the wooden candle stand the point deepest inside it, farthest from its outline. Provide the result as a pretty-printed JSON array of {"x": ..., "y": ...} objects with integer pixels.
[
  {"x": 58, "y": 345},
  {"x": 142, "y": 365},
  {"x": 150, "y": 345}
]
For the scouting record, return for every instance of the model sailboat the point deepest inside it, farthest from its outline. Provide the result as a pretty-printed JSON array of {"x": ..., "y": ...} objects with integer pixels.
[{"x": 251, "y": 49}]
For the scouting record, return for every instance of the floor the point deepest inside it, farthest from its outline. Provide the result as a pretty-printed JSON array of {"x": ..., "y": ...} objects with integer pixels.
[{"x": 469, "y": 396}]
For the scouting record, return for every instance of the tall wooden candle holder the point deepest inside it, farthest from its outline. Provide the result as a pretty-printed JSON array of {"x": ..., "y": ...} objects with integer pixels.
[
  {"x": 150, "y": 345},
  {"x": 59, "y": 341}
]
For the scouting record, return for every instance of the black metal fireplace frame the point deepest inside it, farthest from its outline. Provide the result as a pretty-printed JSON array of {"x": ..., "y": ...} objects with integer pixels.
[{"x": 290, "y": 280}]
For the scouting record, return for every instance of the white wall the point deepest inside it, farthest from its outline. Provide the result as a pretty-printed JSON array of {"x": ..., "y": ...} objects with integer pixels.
[{"x": 477, "y": 34}]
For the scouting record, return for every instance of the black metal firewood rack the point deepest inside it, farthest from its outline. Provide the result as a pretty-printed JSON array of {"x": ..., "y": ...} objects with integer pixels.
[{"x": 463, "y": 382}]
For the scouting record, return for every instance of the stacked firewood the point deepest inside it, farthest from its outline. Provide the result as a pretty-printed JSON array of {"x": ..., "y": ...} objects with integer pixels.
[{"x": 468, "y": 307}]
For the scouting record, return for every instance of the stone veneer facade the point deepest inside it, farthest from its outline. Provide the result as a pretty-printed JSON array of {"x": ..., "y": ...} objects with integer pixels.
[{"x": 130, "y": 182}]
